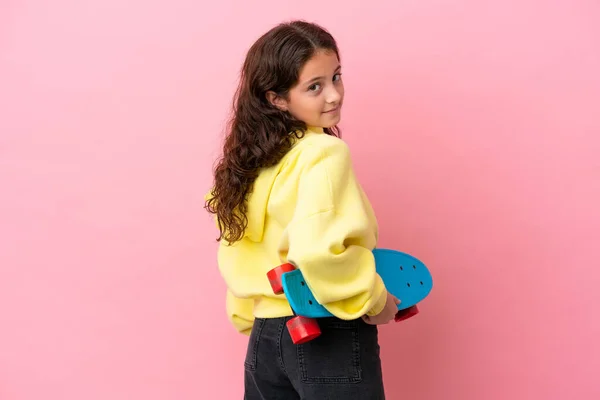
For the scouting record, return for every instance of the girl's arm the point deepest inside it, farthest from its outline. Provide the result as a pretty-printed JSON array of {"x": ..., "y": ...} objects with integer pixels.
[{"x": 332, "y": 234}]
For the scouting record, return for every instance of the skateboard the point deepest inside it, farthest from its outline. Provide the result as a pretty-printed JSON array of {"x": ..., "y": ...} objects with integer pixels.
[{"x": 405, "y": 277}]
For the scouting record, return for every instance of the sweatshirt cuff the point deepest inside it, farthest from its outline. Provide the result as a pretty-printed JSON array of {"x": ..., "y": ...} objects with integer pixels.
[{"x": 380, "y": 294}]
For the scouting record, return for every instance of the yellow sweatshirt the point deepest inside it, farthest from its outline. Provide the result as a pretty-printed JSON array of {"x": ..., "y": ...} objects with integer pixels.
[{"x": 309, "y": 210}]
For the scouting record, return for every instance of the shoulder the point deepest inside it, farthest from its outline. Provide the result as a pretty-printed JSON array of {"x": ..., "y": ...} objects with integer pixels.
[
  {"x": 318, "y": 148},
  {"x": 323, "y": 141}
]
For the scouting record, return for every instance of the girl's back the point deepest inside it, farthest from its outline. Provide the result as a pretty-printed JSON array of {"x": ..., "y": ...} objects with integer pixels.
[{"x": 298, "y": 212}]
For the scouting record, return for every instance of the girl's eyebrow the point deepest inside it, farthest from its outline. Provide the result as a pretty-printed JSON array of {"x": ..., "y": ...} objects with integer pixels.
[{"x": 339, "y": 67}]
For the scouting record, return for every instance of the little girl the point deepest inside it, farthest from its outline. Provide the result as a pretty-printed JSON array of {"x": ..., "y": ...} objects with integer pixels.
[{"x": 285, "y": 191}]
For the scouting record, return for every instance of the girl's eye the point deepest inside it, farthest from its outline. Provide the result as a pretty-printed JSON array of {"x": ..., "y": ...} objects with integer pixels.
[
  {"x": 337, "y": 77},
  {"x": 315, "y": 87}
]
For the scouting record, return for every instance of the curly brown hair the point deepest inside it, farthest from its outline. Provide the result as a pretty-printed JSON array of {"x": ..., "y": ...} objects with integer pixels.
[{"x": 258, "y": 133}]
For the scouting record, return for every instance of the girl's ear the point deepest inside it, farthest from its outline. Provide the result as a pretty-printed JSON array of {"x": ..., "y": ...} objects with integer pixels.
[{"x": 277, "y": 100}]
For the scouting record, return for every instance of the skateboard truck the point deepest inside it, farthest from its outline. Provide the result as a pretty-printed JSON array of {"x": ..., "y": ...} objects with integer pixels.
[{"x": 301, "y": 329}]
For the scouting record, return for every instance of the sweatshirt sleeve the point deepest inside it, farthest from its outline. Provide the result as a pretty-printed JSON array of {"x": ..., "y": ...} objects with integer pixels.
[
  {"x": 332, "y": 234},
  {"x": 240, "y": 313}
]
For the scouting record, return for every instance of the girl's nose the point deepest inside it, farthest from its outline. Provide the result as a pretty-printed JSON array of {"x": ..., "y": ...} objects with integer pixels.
[{"x": 333, "y": 96}]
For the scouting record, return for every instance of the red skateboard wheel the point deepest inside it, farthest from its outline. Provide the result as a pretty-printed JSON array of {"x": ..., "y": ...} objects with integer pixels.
[
  {"x": 275, "y": 274},
  {"x": 303, "y": 329},
  {"x": 406, "y": 314}
]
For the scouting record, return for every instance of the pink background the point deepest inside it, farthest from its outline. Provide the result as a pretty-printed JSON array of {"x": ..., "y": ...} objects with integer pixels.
[{"x": 483, "y": 122}]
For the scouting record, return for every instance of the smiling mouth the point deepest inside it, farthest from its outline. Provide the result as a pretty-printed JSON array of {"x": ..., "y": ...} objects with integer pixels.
[{"x": 332, "y": 110}]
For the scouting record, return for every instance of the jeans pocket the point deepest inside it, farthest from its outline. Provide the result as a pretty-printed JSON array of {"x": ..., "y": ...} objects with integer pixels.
[
  {"x": 253, "y": 341},
  {"x": 334, "y": 356}
]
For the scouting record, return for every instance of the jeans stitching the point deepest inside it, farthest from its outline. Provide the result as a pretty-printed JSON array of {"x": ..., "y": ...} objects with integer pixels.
[
  {"x": 279, "y": 349},
  {"x": 356, "y": 348},
  {"x": 251, "y": 364}
]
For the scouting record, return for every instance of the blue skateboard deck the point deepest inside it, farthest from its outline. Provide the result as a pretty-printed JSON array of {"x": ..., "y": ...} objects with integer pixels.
[{"x": 404, "y": 276}]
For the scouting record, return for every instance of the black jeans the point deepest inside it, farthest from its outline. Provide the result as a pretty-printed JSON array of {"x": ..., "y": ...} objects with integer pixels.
[{"x": 343, "y": 363}]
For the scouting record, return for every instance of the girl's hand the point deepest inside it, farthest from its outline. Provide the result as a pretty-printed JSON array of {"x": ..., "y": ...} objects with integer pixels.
[{"x": 387, "y": 314}]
